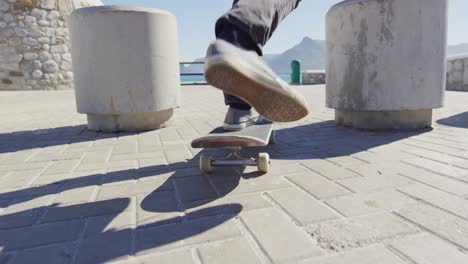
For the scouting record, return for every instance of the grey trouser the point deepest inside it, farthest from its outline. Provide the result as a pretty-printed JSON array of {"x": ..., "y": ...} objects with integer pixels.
[{"x": 255, "y": 21}]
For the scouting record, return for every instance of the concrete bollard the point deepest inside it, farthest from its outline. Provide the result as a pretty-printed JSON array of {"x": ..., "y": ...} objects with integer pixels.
[
  {"x": 126, "y": 67},
  {"x": 386, "y": 62},
  {"x": 457, "y": 73},
  {"x": 313, "y": 77}
]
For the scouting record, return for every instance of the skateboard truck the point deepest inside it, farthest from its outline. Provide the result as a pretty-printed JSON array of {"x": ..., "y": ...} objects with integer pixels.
[
  {"x": 234, "y": 158},
  {"x": 260, "y": 135}
]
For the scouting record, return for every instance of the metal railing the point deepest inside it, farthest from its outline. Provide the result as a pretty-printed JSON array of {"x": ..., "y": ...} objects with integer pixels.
[{"x": 192, "y": 74}]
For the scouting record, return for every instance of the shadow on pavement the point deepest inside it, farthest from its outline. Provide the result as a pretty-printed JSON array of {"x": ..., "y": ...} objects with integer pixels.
[
  {"x": 180, "y": 188},
  {"x": 97, "y": 243},
  {"x": 460, "y": 120},
  {"x": 41, "y": 138},
  {"x": 327, "y": 140}
]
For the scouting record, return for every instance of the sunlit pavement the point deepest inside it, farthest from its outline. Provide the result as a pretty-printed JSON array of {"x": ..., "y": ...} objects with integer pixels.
[{"x": 334, "y": 195}]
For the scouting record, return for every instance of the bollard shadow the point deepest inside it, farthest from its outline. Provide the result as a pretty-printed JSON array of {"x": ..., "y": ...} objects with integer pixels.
[
  {"x": 66, "y": 225},
  {"x": 459, "y": 120},
  {"x": 327, "y": 140},
  {"x": 41, "y": 138}
]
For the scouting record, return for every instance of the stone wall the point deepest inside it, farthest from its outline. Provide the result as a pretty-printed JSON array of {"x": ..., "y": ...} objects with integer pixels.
[
  {"x": 34, "y": 43},
  {"x": 457, "y": 73}
]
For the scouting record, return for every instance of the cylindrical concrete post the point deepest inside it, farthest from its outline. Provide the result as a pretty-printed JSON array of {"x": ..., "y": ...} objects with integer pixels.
[
  {"x": 126, "y": 67},
  {"x": 386, "y": 62}
]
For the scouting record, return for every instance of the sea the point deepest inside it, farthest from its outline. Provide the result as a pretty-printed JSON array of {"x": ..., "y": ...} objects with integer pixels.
[{"x": 201, "y": 79}]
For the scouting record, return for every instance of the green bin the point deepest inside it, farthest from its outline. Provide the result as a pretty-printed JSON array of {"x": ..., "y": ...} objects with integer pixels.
[{"x": 295, "y": 72}]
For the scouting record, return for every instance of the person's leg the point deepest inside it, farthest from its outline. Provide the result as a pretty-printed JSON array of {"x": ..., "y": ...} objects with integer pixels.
[
  {"x": 249, "y": 25},
  {"x": 234, "y": 64}
]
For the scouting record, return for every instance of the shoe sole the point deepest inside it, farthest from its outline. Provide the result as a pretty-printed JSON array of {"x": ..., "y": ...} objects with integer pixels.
[{"x": 270, "y": 101}]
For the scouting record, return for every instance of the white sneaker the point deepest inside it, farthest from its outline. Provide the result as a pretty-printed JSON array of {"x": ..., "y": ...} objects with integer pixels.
[
  {"x": 237, "y": 120},
  {"x": 244, "y": 74}
]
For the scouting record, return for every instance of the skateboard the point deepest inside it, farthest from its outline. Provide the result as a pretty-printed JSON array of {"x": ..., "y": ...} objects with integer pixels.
[{"x": 259, "y": 135}]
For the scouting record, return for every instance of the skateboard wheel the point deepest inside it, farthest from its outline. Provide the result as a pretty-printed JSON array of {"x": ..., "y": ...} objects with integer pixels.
[
  {"x": 263, "y": 162},
  {"x": 206, "y": 165},
  {"x": 272, "y": 138}
]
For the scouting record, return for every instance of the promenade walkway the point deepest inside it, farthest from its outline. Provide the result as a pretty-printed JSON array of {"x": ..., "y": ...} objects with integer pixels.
[{"x": 334, "y": 195}]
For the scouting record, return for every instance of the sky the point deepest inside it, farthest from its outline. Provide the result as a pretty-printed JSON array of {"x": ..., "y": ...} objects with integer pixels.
[{"x": 196, "y": 20}]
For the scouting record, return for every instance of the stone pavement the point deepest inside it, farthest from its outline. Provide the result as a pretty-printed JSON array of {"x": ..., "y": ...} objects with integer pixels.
[{"x": 334, "y": 195}]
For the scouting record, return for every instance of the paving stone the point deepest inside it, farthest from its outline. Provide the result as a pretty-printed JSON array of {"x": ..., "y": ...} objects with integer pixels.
[
  {"x": 194, "y": 189},
  {"x": 451, "y": 203},
  {"x": 160, "y": 239},
  {"x": 19, "y": 179},
  {"x": 75, "y": 196},
  {"x": 374, "y": 183},
  {"x": 367, "y": 203},
  {"x": 252, "y": 185},
  {"x": 52, "y": 179},
  {"x": 79, "y": 211},
  {"x": 98, "y": 225},
  {"x": 349, "y": 233},
  {"x": 125, "y": 148},
  {"x": 433, "y": 147},
  {"x": 346, "y": 161},
  {"x": 29, "y": 193},
  {"x": 329, "y": 170},
  {"x": 18, "y": 157},
  {"x": 131, "y": 188},
  {"x": 155, "y": 164},
  {"x": 41, "y": 156},
  {"x": 124, "y": 164},
  {"x": 174, "y": 156},
  {"x": 442, "y": 142},
  {"x": 95, "y": 157},
  {"x": 55, "y": 254},
  {"x": 439, "y": 168},
  {"x": 279, "y": 237},
  {"x": 39, "y": 235},
  {"x": 229, "y": 252},
  {"x": 368, "y": 255},
  {"x": 302, "y": 207},
  {"x": 61, "y": 167},
  {"x": 24, "y": 166},
  {"x": 138, "y": 156},
  {"x": 436, "y": 156},
  {"x": 426, "y": 249},
  {"x": 179, "y": 257},
  {"x": 157, "y": 208},
  {"x": 226, "y": 205},
  {"x": 23, "y": 212},
  {"x": 110, "y": 245},
  {"x": 443, "y": 224},
  {"x": 435, "y": 180},
  {"x": 318, "y": 186},
  {"x": 371, "y": 170}
]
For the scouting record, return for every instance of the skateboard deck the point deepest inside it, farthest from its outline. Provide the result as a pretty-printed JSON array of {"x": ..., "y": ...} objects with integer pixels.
[
  {"x": 259, "y": 135},
  {"x": 253, "y": 136}
]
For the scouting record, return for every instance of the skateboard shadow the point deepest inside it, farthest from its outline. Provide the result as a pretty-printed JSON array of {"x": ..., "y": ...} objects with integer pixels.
[{"x": 459, "y": 120}]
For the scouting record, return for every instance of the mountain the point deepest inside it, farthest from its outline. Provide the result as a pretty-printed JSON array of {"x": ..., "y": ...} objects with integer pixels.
[
  {"x": 457, "y": 49},
  {"x": 310, "y": 52}
]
